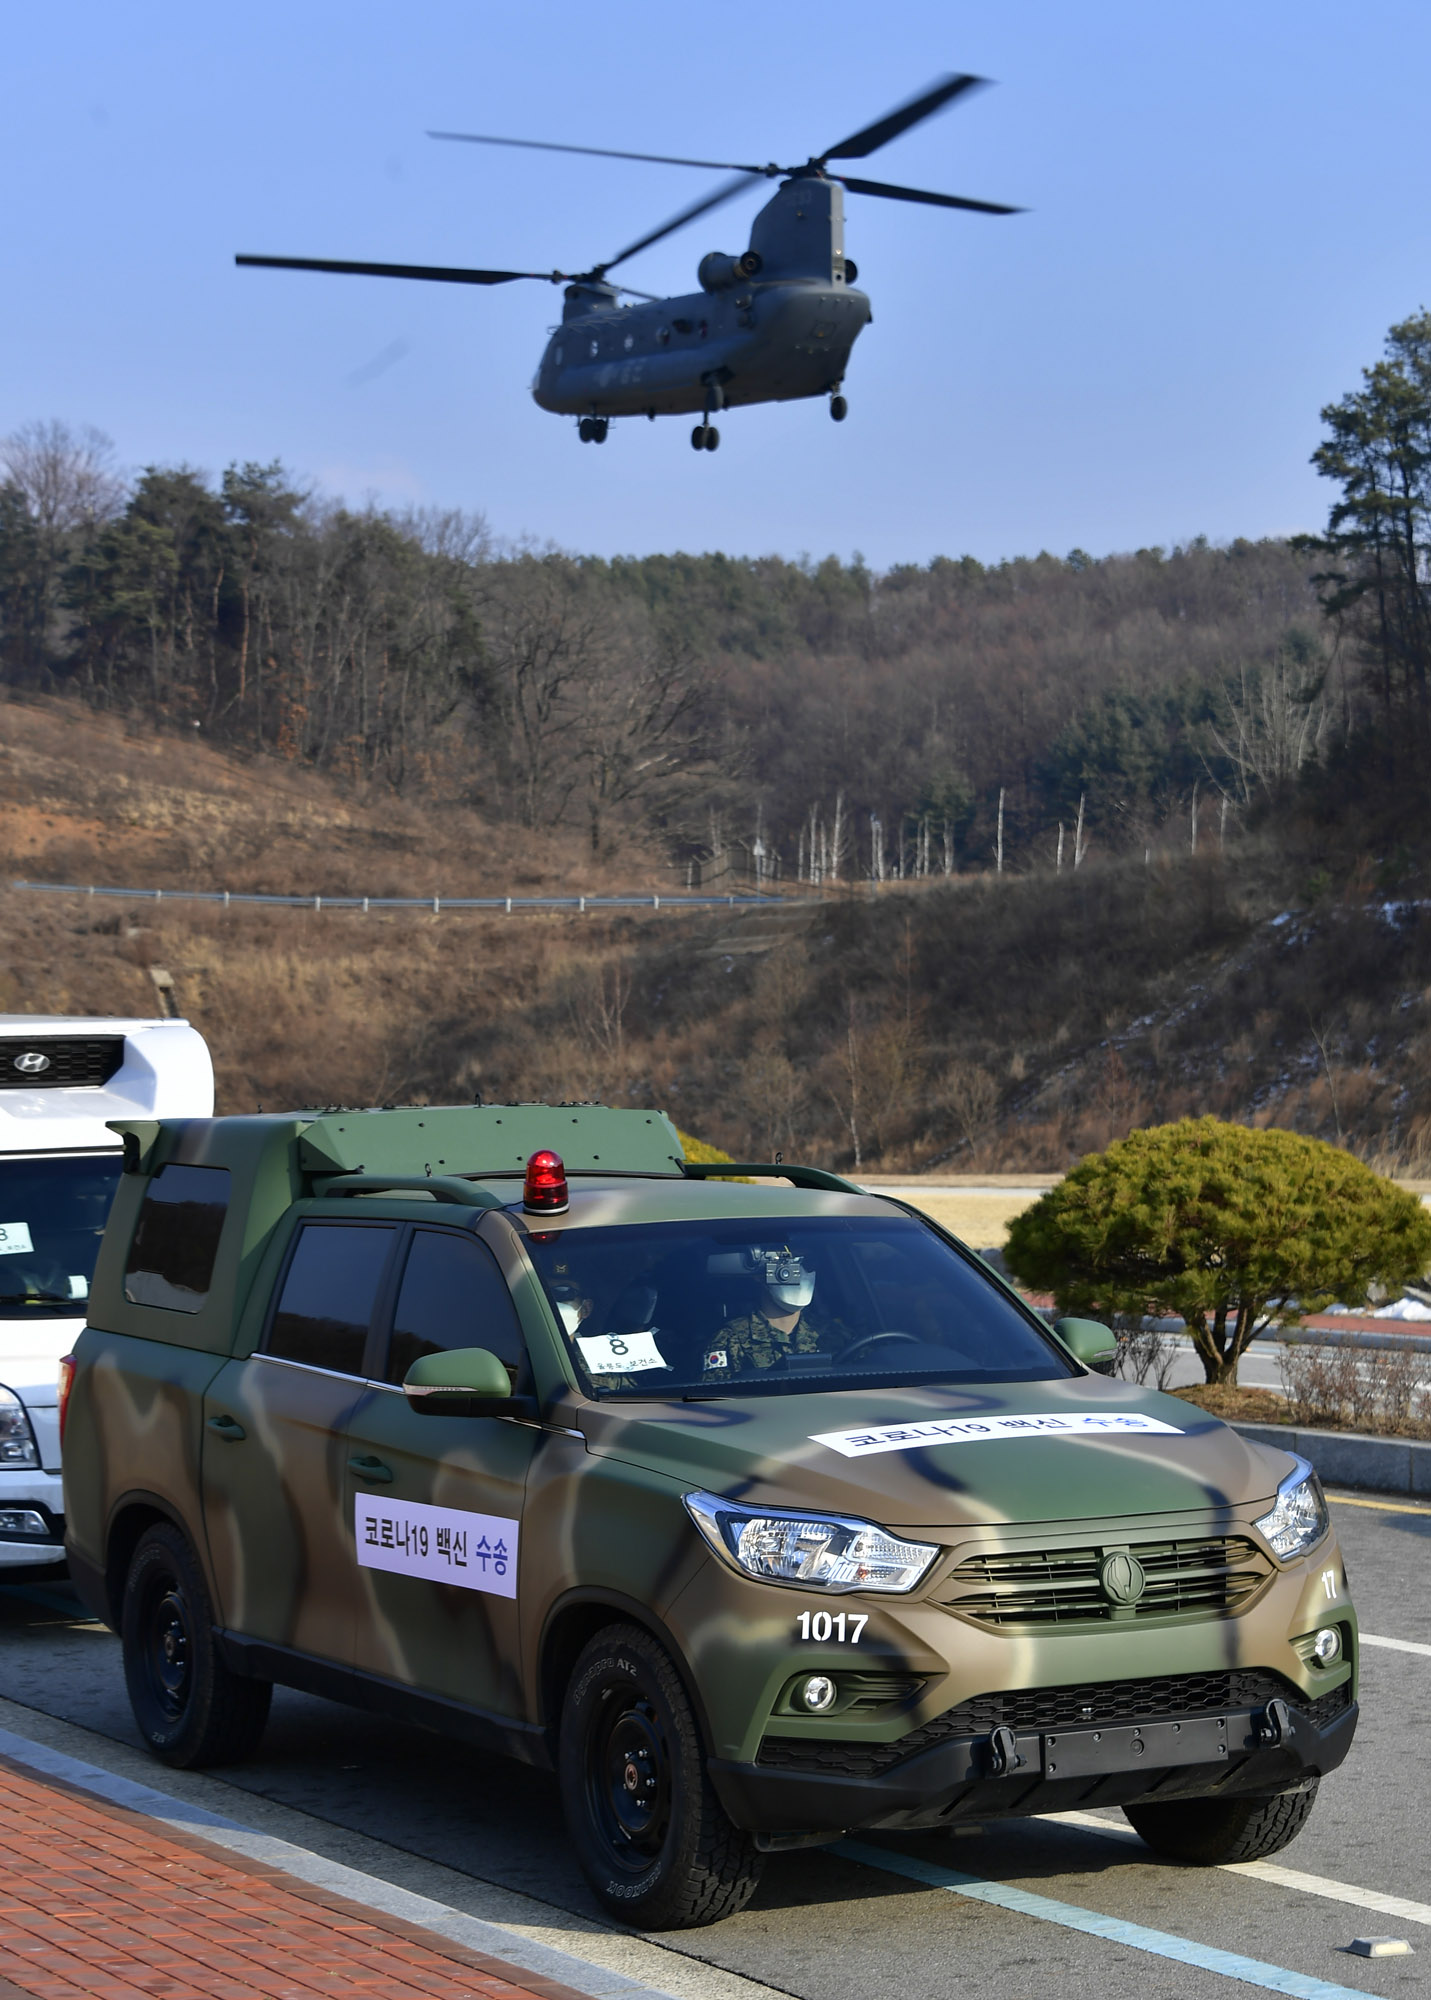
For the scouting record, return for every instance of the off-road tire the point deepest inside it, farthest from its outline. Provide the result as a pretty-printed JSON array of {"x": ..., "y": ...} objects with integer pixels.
[
  {"x": 190, "y": 1708},
  {"x": 673, "y": 1862},
  {"x": 1212, "y": 1832}
]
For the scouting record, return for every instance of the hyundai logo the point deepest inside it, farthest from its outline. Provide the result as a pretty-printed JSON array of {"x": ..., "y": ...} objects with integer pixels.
[
  {"x": 1121, "y": 1578},
  {"x": 34, "y": 1062}
]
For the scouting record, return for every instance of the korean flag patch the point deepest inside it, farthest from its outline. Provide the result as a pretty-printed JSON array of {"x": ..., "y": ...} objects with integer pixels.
[{"x": 716, "y": 1359}]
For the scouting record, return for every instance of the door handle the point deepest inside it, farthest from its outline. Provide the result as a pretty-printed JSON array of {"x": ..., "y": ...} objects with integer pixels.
[
  {"x": 368, "y": 1467},
  {"x": 228, "y": 1428}
]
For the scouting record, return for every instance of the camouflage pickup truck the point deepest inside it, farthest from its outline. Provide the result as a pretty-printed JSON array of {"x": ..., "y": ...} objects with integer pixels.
[{"x": 757, "y": 1511}]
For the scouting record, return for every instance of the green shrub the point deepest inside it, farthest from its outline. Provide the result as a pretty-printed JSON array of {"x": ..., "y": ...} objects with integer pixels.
[
  {"x": 700, "y": 1153},
  {"x": 1233, "y": 1229}
]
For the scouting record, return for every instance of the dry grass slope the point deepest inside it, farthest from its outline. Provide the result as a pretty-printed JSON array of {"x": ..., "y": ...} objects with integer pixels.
[{"x": 978, "y": 1024}]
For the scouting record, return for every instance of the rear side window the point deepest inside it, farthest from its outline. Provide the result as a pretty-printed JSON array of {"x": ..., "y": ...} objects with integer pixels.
[
  {"x": 171, "y": 1260},
  {"x": 452, "y": 1295},
  {"x": 328, "y": 1296}
]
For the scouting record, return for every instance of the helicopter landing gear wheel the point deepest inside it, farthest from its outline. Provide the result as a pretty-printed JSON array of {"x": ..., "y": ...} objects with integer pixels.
[
  {"x": 698, "y": 438},
  {"x": 839, "y": 409},
  {"x": 586, "y": 429},
  {"x": 712, "y": 437},
  {"x": 599, "y": 426}
]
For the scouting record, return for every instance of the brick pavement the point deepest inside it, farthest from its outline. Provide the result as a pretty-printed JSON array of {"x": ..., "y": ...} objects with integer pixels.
[{"x": 99, "y": 1901}]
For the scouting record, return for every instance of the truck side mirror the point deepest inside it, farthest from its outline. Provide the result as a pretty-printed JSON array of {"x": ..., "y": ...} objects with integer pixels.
[
  {"x": 1095, "y": 1345},
  {"x": 463, "y": 1382}
]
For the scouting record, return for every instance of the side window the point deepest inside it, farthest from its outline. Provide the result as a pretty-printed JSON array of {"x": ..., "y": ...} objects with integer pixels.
[
  {"x": 452, "y": 1295},
  {"x": 328, "y": 1295},
  {"x": 171, "y": 1260}
]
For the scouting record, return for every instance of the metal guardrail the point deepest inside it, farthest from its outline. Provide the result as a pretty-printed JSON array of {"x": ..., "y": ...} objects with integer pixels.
[{"x": 226, "y": 898}]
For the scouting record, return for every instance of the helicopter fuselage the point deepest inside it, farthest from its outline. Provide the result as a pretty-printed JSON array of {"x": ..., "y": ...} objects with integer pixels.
[
  {"x": 767, "y": 343},
  {"x": 776, "y": 324}
]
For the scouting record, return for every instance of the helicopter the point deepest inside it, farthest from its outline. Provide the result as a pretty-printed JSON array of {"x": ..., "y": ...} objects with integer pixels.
[{"x": 775, "y": 323}]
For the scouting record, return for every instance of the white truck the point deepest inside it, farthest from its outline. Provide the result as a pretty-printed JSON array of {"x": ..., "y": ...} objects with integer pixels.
[{"x": 61, "y": 1079}]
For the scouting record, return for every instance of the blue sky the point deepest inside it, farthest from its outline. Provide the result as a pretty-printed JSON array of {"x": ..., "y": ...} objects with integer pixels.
[{"x": 1229, "y": 205}]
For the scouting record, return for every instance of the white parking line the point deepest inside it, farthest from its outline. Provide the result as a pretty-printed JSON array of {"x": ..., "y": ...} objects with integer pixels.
[
  {"x": 1394, "y": 1645},
  {"x": 1270, "y": 1871}
]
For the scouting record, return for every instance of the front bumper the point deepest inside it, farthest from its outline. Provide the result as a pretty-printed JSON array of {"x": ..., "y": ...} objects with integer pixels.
[
  {"x": 1222, "y": 1754},
  {"x": 40, "y": 1496}
]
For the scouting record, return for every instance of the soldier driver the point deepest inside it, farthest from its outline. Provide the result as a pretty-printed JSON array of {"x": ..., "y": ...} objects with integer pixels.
[{"x": 781, "y": 1323}]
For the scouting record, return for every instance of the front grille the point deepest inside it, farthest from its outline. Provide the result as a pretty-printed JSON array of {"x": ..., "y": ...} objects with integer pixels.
[
  {"x": 1061, "y": 1586},
  {"x": 69, "y": 1060},
  {"x": 1031, "y": 1711}
]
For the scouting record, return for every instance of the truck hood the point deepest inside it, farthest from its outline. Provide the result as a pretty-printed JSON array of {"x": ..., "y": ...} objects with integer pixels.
[{"x": 912, "y": 1458}]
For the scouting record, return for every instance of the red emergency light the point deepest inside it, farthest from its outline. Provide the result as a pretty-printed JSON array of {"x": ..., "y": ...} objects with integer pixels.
[{"x": 544, "y": 1192}]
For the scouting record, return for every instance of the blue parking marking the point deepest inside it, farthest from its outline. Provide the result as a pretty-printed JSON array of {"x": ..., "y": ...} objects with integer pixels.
[{"x": 1114, "y": 1930}]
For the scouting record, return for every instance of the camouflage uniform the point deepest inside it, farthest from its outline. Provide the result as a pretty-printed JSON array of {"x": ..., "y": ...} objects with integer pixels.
[{"x": 751, "y": 1341}]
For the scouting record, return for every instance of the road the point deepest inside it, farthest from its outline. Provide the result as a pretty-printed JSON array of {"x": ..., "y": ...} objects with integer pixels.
[{"x": 485, "y": 1837}]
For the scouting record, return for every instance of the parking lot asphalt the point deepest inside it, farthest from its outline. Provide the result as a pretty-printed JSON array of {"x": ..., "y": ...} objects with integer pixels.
[{"x": 1008, "y": 1910}]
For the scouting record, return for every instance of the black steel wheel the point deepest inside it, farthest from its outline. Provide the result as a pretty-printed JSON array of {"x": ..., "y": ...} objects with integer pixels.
[
  {"x": 839, "y": 409},
  {"x": 698, "y": 438},
  {"x": 190, "y": 1708},
  {"x": 1211, "y": 1832},
  {"x": 712, "y": 437},
  {"x": 651, "y": 1836}
]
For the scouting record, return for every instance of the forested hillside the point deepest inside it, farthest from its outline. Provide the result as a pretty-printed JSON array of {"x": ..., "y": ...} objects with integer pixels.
[{"x": 852, "y": 724}]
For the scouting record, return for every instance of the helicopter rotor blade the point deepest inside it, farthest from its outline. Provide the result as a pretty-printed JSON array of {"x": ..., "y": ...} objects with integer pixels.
[
  {"x": 861, "y": 144},
  {"x": 893, "y": 193},
  {"x": 443, "y": 274},
  {"x": 727, "y": 191},
  {"x": 603, "y": 153}
]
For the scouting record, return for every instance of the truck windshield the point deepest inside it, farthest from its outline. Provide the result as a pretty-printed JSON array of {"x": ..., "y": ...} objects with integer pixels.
[
  {"x": 741, "y": 1308},
  {"x": 53, "y": 1209}
]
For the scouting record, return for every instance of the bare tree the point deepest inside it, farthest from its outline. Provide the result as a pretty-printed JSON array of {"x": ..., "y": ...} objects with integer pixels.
[
  {"x": 542, "y": 630},
  {"x": 68, "y": 478},
  {"x": 970, "y": 1097},
  {"x": 1273, "y": 721},
  {"x": 638, "y": 713}
]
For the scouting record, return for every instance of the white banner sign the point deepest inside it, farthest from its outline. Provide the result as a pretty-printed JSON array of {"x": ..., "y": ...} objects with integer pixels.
[
  {"x": 973, "y": 1430},
  {"x": 442, "y": 1544},
  {"x": 620, "y": 1353}
]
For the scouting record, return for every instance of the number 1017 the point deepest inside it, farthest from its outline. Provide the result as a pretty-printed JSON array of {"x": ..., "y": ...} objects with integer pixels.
[{"x": 844, "y": 1627}]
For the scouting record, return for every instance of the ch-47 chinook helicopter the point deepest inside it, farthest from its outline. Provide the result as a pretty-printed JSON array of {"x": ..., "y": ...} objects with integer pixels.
[{"x": 775, "y": 323}]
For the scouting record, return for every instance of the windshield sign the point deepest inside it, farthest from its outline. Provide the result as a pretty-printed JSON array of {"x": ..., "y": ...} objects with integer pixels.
[
  {"x": 765, "y": 1307},
  {"x": 52, "y": 1215}
]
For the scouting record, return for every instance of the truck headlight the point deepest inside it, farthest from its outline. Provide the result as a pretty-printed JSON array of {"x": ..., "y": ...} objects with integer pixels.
[
  {"x": 820, "y": 1551},
  {"x": 1299, "y": 1519},
  {"x": 17, "y": 1440}
]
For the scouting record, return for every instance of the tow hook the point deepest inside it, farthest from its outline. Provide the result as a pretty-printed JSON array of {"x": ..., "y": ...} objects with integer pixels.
[
  {"x": 1004, "y": 1752},
  {"x": 1274, "y": 1725}
]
